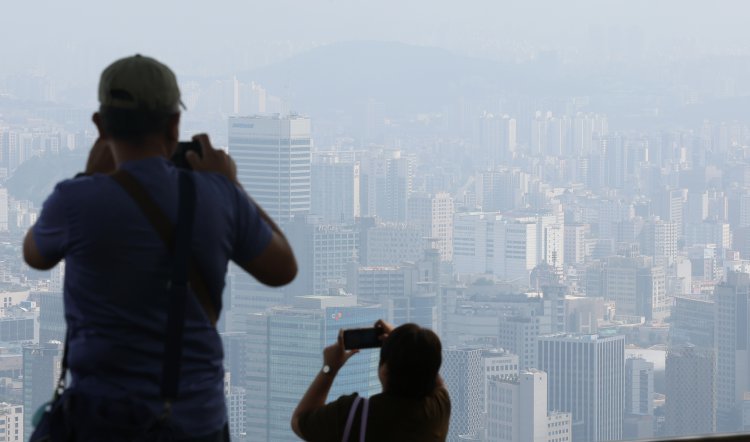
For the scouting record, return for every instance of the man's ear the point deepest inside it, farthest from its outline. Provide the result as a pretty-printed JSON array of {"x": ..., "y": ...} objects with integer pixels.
[{"x": 97, "y": 119}]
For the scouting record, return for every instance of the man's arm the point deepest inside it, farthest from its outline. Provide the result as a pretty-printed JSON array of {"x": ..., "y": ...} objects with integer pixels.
[
  {"x": 275, "y": 265},
  {"x": 32, "y": 256},
  {"x": 334, "y": 356}
]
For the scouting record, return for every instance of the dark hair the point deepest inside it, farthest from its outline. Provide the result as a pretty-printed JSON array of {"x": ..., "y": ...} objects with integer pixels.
[
  {"x": 133, "y": 125},
  {"x": 413, "y": 355}
]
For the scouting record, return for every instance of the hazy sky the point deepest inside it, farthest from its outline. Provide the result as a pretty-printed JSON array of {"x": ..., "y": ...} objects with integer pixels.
[{"x": 72, "y": 41}]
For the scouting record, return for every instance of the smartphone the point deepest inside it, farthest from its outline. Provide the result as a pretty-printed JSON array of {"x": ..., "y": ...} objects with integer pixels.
[
  {"x": 178, "y": 158},
  {"x": 358, "y": 338}
]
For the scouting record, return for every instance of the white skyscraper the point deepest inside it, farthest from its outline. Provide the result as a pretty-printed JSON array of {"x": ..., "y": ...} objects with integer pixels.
[
  {"x": 273, "y": 162},
  {"x": 11, "y": 423},
  {"x": 517, "y": 410}
]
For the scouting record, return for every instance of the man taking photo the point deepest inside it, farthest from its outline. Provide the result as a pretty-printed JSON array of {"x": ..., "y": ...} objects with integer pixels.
[{"x": 118, "y": 266}]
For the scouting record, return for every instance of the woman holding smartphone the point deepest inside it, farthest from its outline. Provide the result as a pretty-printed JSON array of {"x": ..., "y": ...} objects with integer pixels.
[{"x": 413, "y": 406}]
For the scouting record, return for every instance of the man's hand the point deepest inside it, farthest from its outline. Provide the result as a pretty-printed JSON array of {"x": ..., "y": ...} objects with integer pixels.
[
  {"x": 100, "y": 159},
  {"x": 335, "y": 356},
  {"x": 213, "y": 160}
]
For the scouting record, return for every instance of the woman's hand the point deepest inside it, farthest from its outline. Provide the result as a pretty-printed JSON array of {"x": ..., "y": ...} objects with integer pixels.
[
  {"x": 335, "y": 356},
  {"x": 385, "y": 327}
]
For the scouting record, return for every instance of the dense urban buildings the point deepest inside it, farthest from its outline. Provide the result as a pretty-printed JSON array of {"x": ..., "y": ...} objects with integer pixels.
[{"x": 572, "y": 217}]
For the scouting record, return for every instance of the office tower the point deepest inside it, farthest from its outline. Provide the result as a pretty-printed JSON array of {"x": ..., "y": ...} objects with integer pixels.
[
  {"x": 505, "y": 246},
  {"x": 389, "y": 244},
  {"x": 519, "y": 334},
  {"x": 659, "y": 240},
  {"x": 651, "y": 293},
  {"x": 614, "y": 154},
  {"x": 235, "y": 398},
  {"x": 638, "y": 422},
  {"x": 386, "y": 184},
  {"x": 273, "y": 162},
  {"x": 323, "y": 252},
  {"x": 586, "y": 378},
  {"x": 691, "y": 393},
  {"x": 434, "y": 215},
  {"x": 256, "y": 379},
  {"x": 733, "y": 358},
  {"x": 51, "y": 317},
  {"x": 335, "y": 187},
  {"x": 693, "y": 322},
  {"x": 497, "y": 137},
  {"x": 287, "y": 343},
  {"x": 539, "y": 133},
  {"x": 574, "y": 243},
  {"x": 442, "y": 224},
  {"x": 463, "y": 373},
  {"x": 670, "y": 207},
  {"x": 585, "y": 128},
  {"x": 11, "y": 423},
  {"x": 709, "y": 232},
  {"x": 41, "y": 368},
  {"x": 501, "y": 189},
  {"x": 637, "y": 287},
  {"x": 517, "y": 410}
]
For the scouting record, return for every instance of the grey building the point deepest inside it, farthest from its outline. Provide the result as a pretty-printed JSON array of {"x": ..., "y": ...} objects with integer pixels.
[
  {"x": 691, "y": 392},
  {"x": 41, "y": 368},
  {"x": 733, "y": 359},
  {"x": 586, "y": 378},
  {"x": 463, "y": 372}
]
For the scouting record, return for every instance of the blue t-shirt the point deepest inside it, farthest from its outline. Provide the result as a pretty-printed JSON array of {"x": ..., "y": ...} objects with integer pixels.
[{"x": 116, "y": 269}]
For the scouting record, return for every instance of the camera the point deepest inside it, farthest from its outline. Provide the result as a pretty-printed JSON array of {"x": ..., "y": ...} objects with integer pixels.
[
  {"x": 358, "y": 338},
  {"x": 179, "y": 159}
]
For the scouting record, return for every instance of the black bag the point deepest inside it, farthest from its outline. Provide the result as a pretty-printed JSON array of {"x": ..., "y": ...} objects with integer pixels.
[{"x": 70, "y": 416}]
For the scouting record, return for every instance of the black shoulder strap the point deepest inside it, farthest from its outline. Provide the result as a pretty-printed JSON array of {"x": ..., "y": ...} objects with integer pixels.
[{"x": 164, "y": 228}]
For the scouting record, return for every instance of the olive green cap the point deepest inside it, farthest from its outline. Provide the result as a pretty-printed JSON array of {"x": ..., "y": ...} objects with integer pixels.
[{"x": 140, "y": 83}]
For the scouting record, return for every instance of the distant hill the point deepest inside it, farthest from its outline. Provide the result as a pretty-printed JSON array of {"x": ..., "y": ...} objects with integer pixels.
[
  {"x": 343, "y": 76},
  {"x": 35, "y": 178}
]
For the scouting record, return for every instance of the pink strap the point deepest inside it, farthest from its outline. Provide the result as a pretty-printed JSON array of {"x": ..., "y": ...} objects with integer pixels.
[{"x": 350, "y": 419}]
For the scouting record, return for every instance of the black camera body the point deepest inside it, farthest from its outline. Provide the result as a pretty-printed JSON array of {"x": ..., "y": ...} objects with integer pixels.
[
  {"x": 179, "y": 159},
  {"x": 360, "y": 338}
]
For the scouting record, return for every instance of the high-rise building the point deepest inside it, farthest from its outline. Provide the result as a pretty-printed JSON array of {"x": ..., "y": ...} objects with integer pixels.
[
  {"x": 11, "y": 423},
  {"x": 519, "y": 333},
  {"x": 691, "y": 393},
  {"x": 287, "y": 343},
  {"x": 733, "y": 358},
  {"x": 517, "y": 410},
  {"x": 324, "y": 252},
  {"x": 659, "y": 240},
  {"x": 51, "y": 317},
  {"x": 273, "y": 162},
  {"x": 235, "y": 398},
  {"x": 434, "y": 214},
  {"x": 639, "y": 399},
  {"x": 586, "y": 378},
  {"x": 389, "y": 244},
  {"x": 41, "y": 368},
  {"x": 442, "y": 224},
  {"x": 693, "y": 322},
  {"x": 463, "y": 372},
  {"x": 386, "y": 184},
  {"x": 335, "y": 187},
  {"x": 574, "y": 243}
]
